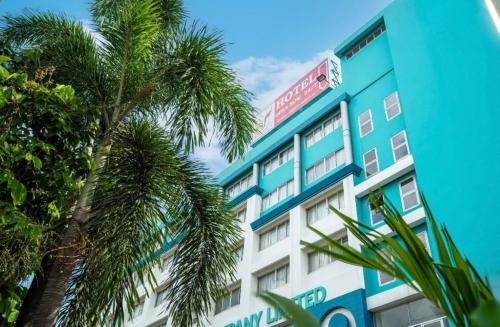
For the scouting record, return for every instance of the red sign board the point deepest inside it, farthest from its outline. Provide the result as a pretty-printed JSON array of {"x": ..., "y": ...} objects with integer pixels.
[{"x": 296, "y": 97}]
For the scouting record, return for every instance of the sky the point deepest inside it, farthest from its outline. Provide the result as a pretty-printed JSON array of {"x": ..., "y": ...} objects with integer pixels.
[{"x": 271, "y": 43}]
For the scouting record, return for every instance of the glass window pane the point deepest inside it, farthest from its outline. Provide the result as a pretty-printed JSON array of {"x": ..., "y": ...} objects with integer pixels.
[
  {"x": 235, "y": 297},
  {"x": 310, "y": 175},
  {"x": 290, "y": 187},
  {"x": 328, "y": 125},
  {"x": 400, "y": 152},
  {"x": 340, "y": 157},
  {"x": 398, "y": 139},
  {"x": 341, "y": 199},
  {"x": 370, "y": 156},
  {"x": 407, "y": 185},
  {"x": 319, "y": 169},
  {"x": 410, "y": 200},
  {"x": 371, "y": 169}
]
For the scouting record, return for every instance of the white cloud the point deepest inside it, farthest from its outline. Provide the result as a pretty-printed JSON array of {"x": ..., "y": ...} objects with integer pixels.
[{"x": 267, "y": 78}]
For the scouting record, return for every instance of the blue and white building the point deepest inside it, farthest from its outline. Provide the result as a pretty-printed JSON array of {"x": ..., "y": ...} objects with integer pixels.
[{"x": 418, "y": 109}]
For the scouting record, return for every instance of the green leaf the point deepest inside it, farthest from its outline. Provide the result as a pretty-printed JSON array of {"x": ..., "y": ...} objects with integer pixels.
[
  {"x": 290, "y": 310},
  {"x": 4, "y": 59},
  {"x": 65, "y": 93},
  {"x": 487, "y": 315},
  {"x": 4, "y": 73},
  {"x": 53, "y": 210},
  {"x": 17, "y": 189},
  {"x": 37, "y": 163}
]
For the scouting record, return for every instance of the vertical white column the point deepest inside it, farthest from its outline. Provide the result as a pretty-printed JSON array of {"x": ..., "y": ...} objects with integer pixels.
[
  {"x": 346, "y": 132},
  {"x": 255, "y": 174},
  {"x": 296, "y": 164}
]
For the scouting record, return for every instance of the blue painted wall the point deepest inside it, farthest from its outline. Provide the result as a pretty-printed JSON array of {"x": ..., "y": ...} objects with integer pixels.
[
  {"x": 371, "y": 276},
  {"x": 446, "y": 56},
  {"x": 373, "y": 98},
  {"x": 392, "y": 194}
]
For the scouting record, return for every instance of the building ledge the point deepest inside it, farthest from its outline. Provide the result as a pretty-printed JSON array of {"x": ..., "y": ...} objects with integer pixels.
[
  {"x": 245, "y": 195},
  {"x": 391, "y": 173},
  {"x": 233, "y": 176},
  {"x": 310, "y": 192},
  {"x": 396, "y": 295}
]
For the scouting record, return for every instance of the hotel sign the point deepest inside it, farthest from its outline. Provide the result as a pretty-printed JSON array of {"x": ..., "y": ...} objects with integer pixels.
[{"x": 296, "y": 97}]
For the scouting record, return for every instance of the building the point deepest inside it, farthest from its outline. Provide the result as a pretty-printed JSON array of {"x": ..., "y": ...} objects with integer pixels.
[{"x": 418, "y": 108}]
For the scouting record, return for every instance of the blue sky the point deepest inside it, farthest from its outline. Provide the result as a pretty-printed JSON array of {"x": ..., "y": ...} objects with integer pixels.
[{"x": 272, "y": 42}]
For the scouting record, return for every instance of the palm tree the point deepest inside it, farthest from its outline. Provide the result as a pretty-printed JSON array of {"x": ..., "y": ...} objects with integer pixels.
[
  {"x": 140, "y": 63},
  {"x": 451, "y": 282}
]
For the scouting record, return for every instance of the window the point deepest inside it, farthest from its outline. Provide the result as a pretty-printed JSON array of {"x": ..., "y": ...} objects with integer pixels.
[
  {"x": 273, "y": 279},
  {"x": 321, "y": 210},
  {"x": 166, "y": 263},
  {"x": 391, "y": 105},
  {"x": 278, "y": 160},
  {"x": 137, "y": 309},
  {"x": 274, "y": 235},
  {"x": 365, "y": 123},
  {"x": 277, "y": 195},
  {"x": 384, "y": 278},
  {"x": 425, "y": 241},
  {"x": 325, "y": 128},
  {"x": 316, "y": 260},
  {"x": 399, "y": 145},
  {"x": 409, "y": 193},
  {"x": 161, "y": 296},
  {"x": 240, "y": 186},
  {"x": 370, "y": 162},
  {"x": 375, "y": 215},
  {"x": 324, "y": 165},
  {"x": 241, "y": 215},
  {"x": 230, "y": 300},
  {"x": 419, "y": 313},
  {"x": 238, "y": 254},
  {"x": 364, "y": 42}
]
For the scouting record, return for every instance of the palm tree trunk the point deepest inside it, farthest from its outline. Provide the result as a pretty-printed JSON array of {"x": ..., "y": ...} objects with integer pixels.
[{"x": 47, "y": 291}]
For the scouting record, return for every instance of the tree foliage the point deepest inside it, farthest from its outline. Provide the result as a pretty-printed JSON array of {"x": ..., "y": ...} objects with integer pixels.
[
  {"x": 142, "y": 62},
  {"x": 44, "y": 152}
]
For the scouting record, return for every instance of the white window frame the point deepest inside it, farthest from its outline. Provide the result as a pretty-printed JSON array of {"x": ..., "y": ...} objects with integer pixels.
[
  {"x": 230, "y": 295},
  {"x": 371, "y": 213},
  {"x": 367, "y": 163},
  {"x": 288, "y": 185},
  {"x": 274, "y": 229},
  {"x": 288, "y": 152},
  {"x": 371, "y": 123},
  {"x": 247, "y": 178},
  {"x": 336, "y": 121},
  {"x": 426, "y": 242},
  {"x": 323, "y": 161},
  {"x": 386, "y": 107},
  {"x": 400, "y": 146},
  {"x": 274, "y": 271},
  {"x": 338, "y": 238},
  {"x": 326, "y": 199},
  {"x": 401, "y": 195},
  {"x": 238, "y": 212},
  {"x": 385, "y": 283},
  {"x": 239, "y": 258},
  {"x": 160, "y": 290}
]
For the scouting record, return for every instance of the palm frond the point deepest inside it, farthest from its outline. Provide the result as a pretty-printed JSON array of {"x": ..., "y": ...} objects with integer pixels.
[
  {"x": 66, "y": 45},
  {"x": 201, "y": 88},
  {"x": 452, "y": 283},
  {"x": 148, "y": 195}
]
